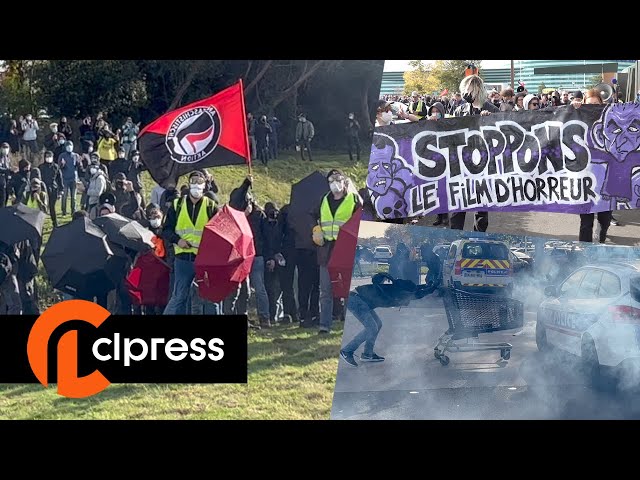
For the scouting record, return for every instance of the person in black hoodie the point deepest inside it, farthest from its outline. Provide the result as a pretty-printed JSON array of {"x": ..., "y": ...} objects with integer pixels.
[
  {"x": 52, "y": 178},
  {"x": 10, "y": 302},
  {"x": 262, "y": 132},
  {"x": 20, "y": 181},
  {"x": 274, "y": 260},
  {"x": 5, "y": 173},
  {"x": 236, "y": 303},
  {"x": 286, "y": 273}
]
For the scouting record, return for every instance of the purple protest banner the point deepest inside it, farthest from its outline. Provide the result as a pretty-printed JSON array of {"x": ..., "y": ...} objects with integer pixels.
[{"x": 558, "y": 160}]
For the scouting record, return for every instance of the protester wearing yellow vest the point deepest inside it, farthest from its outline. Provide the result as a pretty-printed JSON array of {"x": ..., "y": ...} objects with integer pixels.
[
  {"x": 183, "y": 226},
  {"x": 36, "y": 197},
  {"x": 418, "y": 107},
  {"x": 107, "y": 147},
  {"x": 336, "y": 209}
]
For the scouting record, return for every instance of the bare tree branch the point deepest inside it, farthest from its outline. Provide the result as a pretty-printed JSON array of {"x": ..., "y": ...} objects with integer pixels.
[
  {"x": 196, "y": 67},
  {"x": 258, "y": 77},
  {"x": 304, "y": 76}
]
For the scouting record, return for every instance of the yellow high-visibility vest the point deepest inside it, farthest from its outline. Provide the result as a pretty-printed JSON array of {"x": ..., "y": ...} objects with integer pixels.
[
  {"x": 185, "y": 227},
  {"x": 418, "y": 109},
  {"x": 33, "y": 202},
  {"x": 330, "y": 223}
]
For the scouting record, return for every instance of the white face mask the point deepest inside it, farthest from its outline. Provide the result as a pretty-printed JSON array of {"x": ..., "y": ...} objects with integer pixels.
[
  {"x": 5, "y": 151},
  {"x": 60, "y": 142},
  {"x": 196, "y": 191},
  {"x": 136, "y": 158},
  {"x": 336, "y": 187},
  {"x": 386, "y": 117},
  {"x": 69, "y": 149},
  {"x": 93, "y": 170},
  {"x": 155, "y": 222},
  {"x": 54, "y": 129},
  {"x": 48, "y": 159},
  {"x": 350, "y": 117},
  {"x": 90, "y": 149}
]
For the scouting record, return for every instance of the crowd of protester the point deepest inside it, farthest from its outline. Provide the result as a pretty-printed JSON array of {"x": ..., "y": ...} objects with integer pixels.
[
  {"x": 474, "y": 99},
  {"x": 101, "y": 175}
]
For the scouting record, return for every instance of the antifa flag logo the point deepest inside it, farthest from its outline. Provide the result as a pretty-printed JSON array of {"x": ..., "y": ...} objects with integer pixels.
[
  {"x": 211, "y": 132},
  {"x": 194, "y": 134}
]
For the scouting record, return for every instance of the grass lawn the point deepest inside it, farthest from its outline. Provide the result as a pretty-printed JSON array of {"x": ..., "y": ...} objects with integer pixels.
[{"x": 292, "y": 371}]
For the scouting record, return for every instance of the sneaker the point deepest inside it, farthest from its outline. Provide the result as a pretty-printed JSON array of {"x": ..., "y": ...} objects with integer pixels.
[
  {"x": 323, "y": 331},
  {"x": 374, "y": 357},
  {"x": 348, "y": 357}
]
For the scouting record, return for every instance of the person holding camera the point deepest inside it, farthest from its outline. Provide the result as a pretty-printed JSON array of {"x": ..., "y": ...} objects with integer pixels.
[
  {"x": 129, "y": 137},
  {"x": 30, "y": 136}
]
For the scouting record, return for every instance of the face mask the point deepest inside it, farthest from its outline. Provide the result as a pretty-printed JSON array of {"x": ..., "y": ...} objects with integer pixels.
[
  {"x": 350, "y": 117},
  {"x": 437, "y": 114},
  {"x": 303, "y": 120},
  {"x": 155, "y": 222},
  {"x": 336, "y": 187},
  {"x": 386, "y": 117},
  {"x": 273, "y": 215},
  {"x": 29, "y": 118},
  {"x": 90, "y": 149},
  {"x": 496, "y": 102},
  {"x": 196, "y": 191},
  {"x": 119, "y": 185},
  {"x": 48, "y": 159},
  {"x": 136, "y": 158},
  {"x": 54, "y": 129},
  {"x": 60, "y": 142},
  {"x": 69, "y": 149},
  {"x": 93, "y": 170},
  {"x": 5, "y": 151},
  {"x": 468, "y": 98},
  {"x": 121, "y": 155}
]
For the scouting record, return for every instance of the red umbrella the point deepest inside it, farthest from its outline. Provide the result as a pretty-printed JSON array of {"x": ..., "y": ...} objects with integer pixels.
[
  {"x": 148, "y": 281},
  {"x": 225, "y": 255},
  {"x": 343, "y": 255}
]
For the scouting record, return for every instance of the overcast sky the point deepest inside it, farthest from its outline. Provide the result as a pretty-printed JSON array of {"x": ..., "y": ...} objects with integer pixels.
[
  {"x": 403, "y": 65},
  {"x": 372, "y": 229}
]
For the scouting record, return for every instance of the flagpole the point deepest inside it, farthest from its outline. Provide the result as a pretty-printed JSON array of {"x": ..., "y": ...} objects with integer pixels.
[{"x": 246, "y": 131}]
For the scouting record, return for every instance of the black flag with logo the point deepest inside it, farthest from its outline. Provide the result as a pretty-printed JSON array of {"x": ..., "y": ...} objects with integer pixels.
[{"x": 207, "y": 133}]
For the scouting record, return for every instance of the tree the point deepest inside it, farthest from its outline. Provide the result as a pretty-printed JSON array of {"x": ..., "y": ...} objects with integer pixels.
[
  {"x": 79, "y": 87},
  {"x": 436, "y": 77}
]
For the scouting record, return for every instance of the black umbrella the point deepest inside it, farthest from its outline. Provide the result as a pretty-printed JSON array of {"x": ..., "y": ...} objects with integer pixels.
[
  {"x": 306, "y": 196},
  {"x": 79, "y": 260},
  {"x": 125, "y": 232},
  {"x": 19, "y": 223}
]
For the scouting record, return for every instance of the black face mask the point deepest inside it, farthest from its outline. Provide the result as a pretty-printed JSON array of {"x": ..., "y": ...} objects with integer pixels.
[
  {"x": 496, "y": 102},
  {"x": 468, "y": 98},
  {"x": 273, "y": 215},
  {"x": 120, "y": 185}
]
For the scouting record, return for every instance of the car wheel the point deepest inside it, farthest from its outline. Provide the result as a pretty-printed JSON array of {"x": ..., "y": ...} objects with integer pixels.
[
  {"x": 541, "y": 337},
  {"x": 591, "y": 364}
]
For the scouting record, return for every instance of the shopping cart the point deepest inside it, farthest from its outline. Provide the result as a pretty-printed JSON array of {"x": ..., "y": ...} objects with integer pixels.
[{"x": 470, "y": 314}]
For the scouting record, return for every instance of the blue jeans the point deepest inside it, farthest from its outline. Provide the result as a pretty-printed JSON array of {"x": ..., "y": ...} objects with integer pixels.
[
  {"x": 256, "y": 279},
  {"x": 184, "y": 273},
  {"x": 69, "y": 189},
  {"x": 201, "y": 306},
  {"x": 326, "y": 299},
  {"x": 369, "y": 320}
]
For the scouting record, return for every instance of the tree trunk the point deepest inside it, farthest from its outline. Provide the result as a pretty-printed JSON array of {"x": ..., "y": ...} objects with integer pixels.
[{"x": 186, "y": 83}]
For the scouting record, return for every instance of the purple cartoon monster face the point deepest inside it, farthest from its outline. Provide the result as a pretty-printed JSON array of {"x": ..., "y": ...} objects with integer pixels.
[
  {"x": 619, "y": 132},
  {"x": 380, "y": 174}
]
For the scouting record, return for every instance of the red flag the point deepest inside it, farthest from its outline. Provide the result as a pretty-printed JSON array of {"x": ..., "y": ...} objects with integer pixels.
[{"x": 207, "y": 133}]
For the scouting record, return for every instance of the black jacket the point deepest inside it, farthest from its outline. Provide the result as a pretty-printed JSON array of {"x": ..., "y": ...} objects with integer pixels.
[
  {"x": 19, "y": 182},
  {"x": 51, "y": 176},
  {"x": 273, "y": 236},
  {"x": 257, "y": 220},
  {"x": 288, "y": 234}
]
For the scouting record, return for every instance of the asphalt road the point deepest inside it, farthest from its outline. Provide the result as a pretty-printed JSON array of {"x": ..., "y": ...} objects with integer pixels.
[
  {"x": 412, "y": 384},
  {"x": 562, "y": 226}
]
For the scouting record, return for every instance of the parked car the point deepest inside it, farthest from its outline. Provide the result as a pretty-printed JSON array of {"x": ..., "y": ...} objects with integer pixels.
[
  {"x": 594, "y": 314},
  {"x": 382, "y": 252},
  {"x": 479, "y": 266}
]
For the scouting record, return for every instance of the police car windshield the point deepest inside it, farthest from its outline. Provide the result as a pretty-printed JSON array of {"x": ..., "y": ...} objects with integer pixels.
[{"x": 487, "y": 251}]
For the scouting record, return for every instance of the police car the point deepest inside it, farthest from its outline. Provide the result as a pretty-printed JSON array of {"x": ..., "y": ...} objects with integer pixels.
[
  {"x": 479, "y": 266},
  {"x": 594, "y": 314}
]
